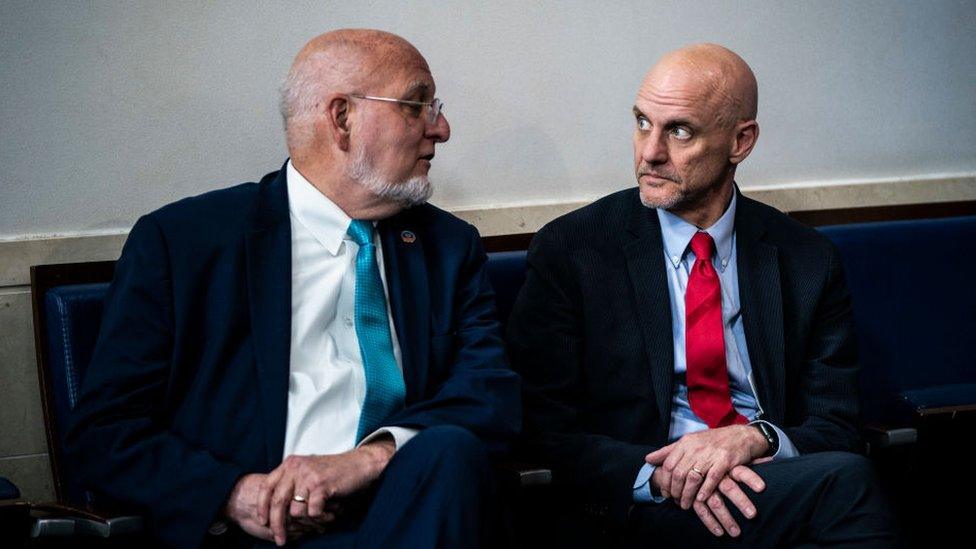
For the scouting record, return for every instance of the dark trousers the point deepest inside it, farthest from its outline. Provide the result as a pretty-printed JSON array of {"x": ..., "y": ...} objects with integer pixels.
[
  {"x": 437, "y": 491},
  {"x": 823, "y": 499}
]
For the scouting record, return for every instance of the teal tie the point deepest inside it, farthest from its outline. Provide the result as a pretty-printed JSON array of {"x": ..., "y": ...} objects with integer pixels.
[{"x": 384, "y": 382}]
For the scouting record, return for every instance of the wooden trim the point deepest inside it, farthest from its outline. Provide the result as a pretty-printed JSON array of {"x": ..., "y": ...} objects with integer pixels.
[
  {"x": 950, "y": 411},
  {"x": 814, "y": 218},
  {"x": 43, "y": 278},
  {"x": 839, "y": 216}
]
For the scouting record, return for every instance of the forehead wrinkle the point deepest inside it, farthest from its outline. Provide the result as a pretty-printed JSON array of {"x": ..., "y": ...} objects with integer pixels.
[{"x": 695, "y": 95}]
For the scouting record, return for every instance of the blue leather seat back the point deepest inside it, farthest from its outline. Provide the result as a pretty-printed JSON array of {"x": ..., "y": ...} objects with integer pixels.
[
  {"x": 914, "y": 294},
  {"x": 8, "y": 490},
  {"x": 506, "y": 270},
  {"x": 73, "y": 314}
]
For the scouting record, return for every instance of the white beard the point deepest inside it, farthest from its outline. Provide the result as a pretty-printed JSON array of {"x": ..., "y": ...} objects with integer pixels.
[{"x": 412, "y": 192}]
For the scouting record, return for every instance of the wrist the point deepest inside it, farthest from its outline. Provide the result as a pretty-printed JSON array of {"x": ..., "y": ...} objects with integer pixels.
[
  {"x": 378, "y": 453},
  {"x": 767, "y": 439}
]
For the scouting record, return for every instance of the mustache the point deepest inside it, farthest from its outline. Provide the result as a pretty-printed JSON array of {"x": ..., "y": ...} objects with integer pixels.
[{"x": 661, "y": 174}]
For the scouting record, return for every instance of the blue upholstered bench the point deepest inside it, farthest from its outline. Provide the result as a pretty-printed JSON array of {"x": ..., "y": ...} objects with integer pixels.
[
  {"x": 914, "y": 306},
  {"x": 915, "y": 312}
]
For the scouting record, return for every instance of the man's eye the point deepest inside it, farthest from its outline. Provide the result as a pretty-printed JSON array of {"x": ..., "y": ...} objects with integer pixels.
[
  {"x": 681, "y": 132},
  {"x": 643, "y": 124},
  {"x": 414, "y": 110}
]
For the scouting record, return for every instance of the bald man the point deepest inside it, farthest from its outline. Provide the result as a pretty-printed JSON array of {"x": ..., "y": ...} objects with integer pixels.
[
  {"x": 312, "y": 358},
  {"x": 687, "y": 353}
]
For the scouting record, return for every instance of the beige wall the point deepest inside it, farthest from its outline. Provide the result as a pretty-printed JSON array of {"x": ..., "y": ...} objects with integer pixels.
[
  {"x": 23, "y": 448},
  {"x": 111, "y": 109}
]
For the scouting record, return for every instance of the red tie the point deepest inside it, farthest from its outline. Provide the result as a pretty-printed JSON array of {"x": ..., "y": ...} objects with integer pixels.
[{"x": 707, "y": 375}]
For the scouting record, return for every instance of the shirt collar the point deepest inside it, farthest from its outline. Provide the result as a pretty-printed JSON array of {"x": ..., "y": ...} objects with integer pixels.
[
  {"x": 677, "y": 234},
  {"x": 326, "y": 221}
]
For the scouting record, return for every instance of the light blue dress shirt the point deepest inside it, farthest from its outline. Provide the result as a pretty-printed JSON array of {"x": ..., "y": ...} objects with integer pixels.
[{"x": 679, "y": 258}]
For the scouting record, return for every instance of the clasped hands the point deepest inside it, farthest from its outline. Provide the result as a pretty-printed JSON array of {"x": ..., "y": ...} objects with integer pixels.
[
  {"x": 266, "y": 507},
  {"x": 699, "y": 466}
]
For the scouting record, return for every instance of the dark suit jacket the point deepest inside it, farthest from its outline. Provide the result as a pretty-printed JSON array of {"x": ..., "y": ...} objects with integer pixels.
[
  {"x": 188, "y": 386},
  {"x": 591, "y": 335}
]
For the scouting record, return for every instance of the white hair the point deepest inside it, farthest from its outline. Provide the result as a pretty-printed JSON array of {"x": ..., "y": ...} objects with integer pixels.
[
  {"x": 412, "y": 192},
  {"x": 299, "y": 93}
]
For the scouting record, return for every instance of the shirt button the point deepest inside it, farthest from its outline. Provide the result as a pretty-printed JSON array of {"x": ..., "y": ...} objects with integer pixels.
[{"x": 347, "y": 321}]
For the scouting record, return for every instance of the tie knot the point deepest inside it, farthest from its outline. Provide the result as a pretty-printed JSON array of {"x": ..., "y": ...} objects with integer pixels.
[
  {"x": 703, "y": 245},
  {"x": 361, "y": 231}
]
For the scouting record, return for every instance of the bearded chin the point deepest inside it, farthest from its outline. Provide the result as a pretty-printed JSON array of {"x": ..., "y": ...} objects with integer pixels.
[
  {"x": 666, "y": 202},
  {"x": 412, "y": 192}
]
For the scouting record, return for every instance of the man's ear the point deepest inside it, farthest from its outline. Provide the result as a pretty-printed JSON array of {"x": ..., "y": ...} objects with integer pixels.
[
  {"x": 746, "y": 135},
  {"x": 338, "y": 120}
]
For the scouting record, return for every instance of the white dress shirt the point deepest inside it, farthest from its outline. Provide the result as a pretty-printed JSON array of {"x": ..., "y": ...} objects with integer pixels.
[{"x": 327, "y": 383}]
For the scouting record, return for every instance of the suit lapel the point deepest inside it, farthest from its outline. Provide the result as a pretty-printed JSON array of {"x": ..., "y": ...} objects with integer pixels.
[
  {"x": 268, "y": 249},
  {"x": 761, "y": 300},
  {"x": 406, "y": 282},
  {"x": 645, "y": 264}
]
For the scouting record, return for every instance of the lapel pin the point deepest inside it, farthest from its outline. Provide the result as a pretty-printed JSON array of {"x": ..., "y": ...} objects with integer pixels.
[{"x": 408, "y": 237}]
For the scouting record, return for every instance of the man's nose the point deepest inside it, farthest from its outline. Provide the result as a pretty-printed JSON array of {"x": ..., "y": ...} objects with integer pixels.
[
  {"x": 439, "y": 130},
  {"x": 654, "y": 150}
]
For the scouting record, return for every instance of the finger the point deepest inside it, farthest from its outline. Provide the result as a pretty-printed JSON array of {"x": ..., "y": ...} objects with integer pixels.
[
  {"x": 761, "y": 460},
  {"x": 673, "y": 459},
  {"x": 705, "y": 515},
  {"x": 279, "y": 509},
  {"x": 260, "y": 532},
  {"x": 677, "y": 473},
  {"x": 692, "y": 482},
  {"x": 661, "y": 479},
  {"x": 721, "y": 512},
  {"x": 731, "y": 490},
  {"x": 678, "y": 478},
  {"x": 325, "y": 518},
  {"x": 298, "y": 509},
  {"x": 265, "y": 494},
  {"x": 747, "y": 476},
  {"x": 712, "y": 478},
  {"x": 316, "y": 503},
  {"x": 659, "y": 455}
]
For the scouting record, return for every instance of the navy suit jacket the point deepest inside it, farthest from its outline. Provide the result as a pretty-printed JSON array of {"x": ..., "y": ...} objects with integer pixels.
[
  {"x": 188, "y": 386},
  {"x": 591, "y": 335}
]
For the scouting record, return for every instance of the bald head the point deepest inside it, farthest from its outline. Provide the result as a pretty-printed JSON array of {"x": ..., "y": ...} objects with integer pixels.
[
  {"x": 345, "y": 60},
  {"x": 695, "y": 117},
  {"x": 712, "y": 74}
]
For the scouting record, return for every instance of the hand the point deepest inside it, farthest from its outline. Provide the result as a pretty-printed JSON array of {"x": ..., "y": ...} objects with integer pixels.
[
  {"x": 713, "y": 513},
  {"x": 693, "y": 466},
  {"x": 242, "y": 506},
  {"x": 319, "y": 479}
]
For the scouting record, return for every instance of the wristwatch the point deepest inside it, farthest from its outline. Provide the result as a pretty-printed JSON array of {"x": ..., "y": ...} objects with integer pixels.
[{"x": 771, "y": 437}]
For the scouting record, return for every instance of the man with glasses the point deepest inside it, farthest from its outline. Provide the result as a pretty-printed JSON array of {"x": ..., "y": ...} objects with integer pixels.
[
  {"x": 688, "y": 353},
  {"x": 314, "y": 357}
]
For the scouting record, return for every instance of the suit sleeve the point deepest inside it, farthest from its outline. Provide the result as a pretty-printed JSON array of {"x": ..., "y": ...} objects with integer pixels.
[
  {"x": 546, "y": 342},
  {"x": 827, "y": 395},
  {"x": 480, "y": 392},
  {"x": 119, "y": 438}
]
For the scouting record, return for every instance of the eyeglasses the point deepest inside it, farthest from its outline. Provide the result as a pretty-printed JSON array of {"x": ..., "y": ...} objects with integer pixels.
[{"x": 433, "y": 107}]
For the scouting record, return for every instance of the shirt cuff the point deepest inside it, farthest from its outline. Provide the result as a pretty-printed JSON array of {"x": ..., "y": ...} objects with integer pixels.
[
  {"x": 642, "y": 486},
  {"x": 401, "y": 435},
  {"x": 786, "y": 448}
]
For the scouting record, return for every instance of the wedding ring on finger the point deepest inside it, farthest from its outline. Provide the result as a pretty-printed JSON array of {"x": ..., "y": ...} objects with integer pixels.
[{"x": 300, "y": 499}]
